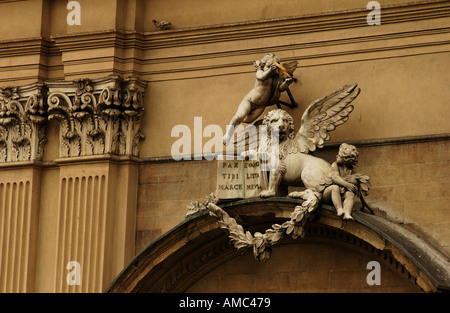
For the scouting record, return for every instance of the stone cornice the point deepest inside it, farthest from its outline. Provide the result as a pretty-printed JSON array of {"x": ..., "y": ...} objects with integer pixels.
[
  {"x": 253, "y": 29},
  {"x": 215, "y": 50},
  {"x": 96, "y": 159},
  {"x": 408, "y": 12},
  {"x": 316, "y": 39},
  {"x": 297, "y": 24}
]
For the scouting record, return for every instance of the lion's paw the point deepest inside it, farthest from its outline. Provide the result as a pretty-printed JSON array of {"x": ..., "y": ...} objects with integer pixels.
[
  {"x": 267, "y": 193},
  {"x": 298, "y": 194}
]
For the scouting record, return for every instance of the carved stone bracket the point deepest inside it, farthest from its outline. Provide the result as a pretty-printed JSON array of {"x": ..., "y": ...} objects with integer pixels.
[
  {"x": 22, "y": 123},
  {"x": 98, "y": 116}
]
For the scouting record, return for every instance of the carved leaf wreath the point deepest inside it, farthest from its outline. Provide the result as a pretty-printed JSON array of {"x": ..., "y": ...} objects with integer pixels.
[
  {"x": 241, "y": 240},
  {"x": 262, "y": 243}
]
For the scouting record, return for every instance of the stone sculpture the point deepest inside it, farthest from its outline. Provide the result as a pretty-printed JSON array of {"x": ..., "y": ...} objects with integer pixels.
[
  {"x": 342, "y": 185},
  {"x": 296, "y": 166},
  {"x": 272, "y": 78},
  {"x": 100, "y": 116},
  {"x": 23, "y": 122},
  {"x": 96, "y": 117},
  {"x": 335, "y": 183}
]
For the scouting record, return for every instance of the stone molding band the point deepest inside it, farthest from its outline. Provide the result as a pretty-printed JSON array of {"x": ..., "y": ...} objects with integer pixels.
[{"x": 96, "y": 117}]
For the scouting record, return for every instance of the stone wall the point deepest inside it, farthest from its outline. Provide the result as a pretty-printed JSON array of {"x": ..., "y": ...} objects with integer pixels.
[
  {"x": 165, "y": 190},
  {"x": 409, "y": 184},
  {"x": 307, "y": 267}
]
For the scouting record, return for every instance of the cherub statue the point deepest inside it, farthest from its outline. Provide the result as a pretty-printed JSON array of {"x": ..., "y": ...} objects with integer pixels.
[
  {"x": 344, "y": 185},
  {"x": 272, "y": 78}
]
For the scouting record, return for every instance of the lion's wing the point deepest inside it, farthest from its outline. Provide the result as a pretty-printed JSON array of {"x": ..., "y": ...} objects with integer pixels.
[{"x": 323, "y": 116}]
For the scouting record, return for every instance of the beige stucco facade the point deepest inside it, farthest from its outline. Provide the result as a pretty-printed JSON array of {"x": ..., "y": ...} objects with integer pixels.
[{"x": 71, "y": 193}]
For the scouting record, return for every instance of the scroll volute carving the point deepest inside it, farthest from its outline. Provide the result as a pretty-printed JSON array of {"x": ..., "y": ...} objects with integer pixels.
[
  {"x": 132, "y": 116},
  {"x": 101, "y": 116},
  {"x": 22, "y": 123}
]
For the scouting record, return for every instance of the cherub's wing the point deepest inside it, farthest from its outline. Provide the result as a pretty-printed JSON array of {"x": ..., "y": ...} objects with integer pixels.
[
  {"x": 290, "y": 66},
  {"x": 323, "y": 116}
]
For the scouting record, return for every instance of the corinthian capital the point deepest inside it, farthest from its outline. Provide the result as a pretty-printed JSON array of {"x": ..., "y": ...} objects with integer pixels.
[
  {"x": 98, "y": 116},
  {"x": 22, "y": 123}
]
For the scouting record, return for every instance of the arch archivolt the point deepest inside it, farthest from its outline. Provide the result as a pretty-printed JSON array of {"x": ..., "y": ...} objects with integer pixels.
[{"x": 197, "y": 246}]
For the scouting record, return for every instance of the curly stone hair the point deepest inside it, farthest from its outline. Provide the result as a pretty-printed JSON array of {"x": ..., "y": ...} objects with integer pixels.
[
  {"x": 347, "y": 154},
  {"x": 269, "y": 57},
  {"x": 281, "y": 113}
]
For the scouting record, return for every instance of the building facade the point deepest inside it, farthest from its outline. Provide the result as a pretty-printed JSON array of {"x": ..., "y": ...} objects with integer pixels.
[{"x": 92, "y": 199}]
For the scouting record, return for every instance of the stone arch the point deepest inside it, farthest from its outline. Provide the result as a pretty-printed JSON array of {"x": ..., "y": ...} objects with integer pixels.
[
  {"x": 310, "y": 265},
  {"x": 196, "y": 246}
]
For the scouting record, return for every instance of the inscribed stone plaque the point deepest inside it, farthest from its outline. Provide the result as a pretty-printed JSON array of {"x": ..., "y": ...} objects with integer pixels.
[
  {"x": 239, "y": 179},
  {"x": 254, "y": 181},
  {"x": 230, "y": 179}
]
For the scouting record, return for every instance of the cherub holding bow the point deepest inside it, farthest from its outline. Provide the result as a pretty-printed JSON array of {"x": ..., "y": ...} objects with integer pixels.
[{"x": 272, "y": 78}]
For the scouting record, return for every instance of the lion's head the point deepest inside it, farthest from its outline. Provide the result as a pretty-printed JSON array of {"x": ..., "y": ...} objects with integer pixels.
[
  {"x": 347, "y": 155},
  {"x": 281, "y": 120}
]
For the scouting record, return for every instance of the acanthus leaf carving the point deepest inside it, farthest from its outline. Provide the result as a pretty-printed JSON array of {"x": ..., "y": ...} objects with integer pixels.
[
  {"x": 98, "y": 116},
  {"x": 23, "y": 123}
]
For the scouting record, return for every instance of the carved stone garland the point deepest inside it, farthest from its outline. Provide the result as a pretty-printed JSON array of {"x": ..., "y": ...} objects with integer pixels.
[
  {"x": 261, "y": 244},
  {"x": 22, "y": 123},
  {"x": 98, "y": 116}
]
